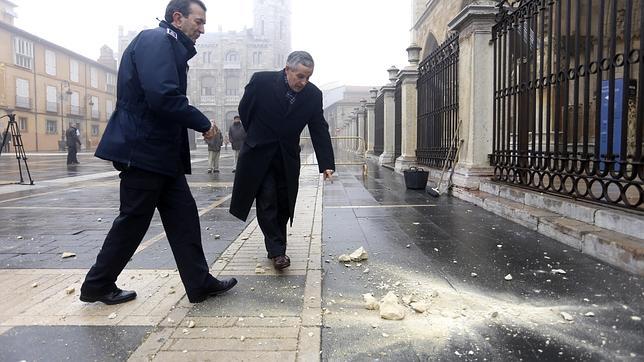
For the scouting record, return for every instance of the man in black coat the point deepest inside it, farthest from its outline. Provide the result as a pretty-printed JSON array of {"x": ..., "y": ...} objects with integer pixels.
[
  {"x": 274, "y": 110},
  {"x": 73, "y": 144},
  {"x": 147, "y": 140}
]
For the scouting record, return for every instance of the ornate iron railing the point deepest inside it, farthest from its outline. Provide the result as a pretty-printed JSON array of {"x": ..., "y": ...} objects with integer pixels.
[
  {"x": 568, "y": 100},
  {"x": 438, "y": 104},
  {"x": 379, "y": 136}
]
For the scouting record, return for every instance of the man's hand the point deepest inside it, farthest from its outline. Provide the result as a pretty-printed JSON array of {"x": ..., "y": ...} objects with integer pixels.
[
  {"x": 328, "y": 175},
  {"x": 210, "y": 134}
]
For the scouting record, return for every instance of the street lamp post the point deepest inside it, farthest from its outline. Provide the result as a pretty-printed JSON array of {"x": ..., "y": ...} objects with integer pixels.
[{"x": 64, "y": 89}]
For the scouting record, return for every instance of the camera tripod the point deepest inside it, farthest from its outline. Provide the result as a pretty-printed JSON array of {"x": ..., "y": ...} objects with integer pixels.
[{"x": 14, "y": 131}]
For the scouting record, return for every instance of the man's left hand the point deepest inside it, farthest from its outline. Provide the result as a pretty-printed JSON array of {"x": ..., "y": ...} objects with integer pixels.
[
  {"x": 210, "y": 134},
  {"x": 328, "y": 175}
]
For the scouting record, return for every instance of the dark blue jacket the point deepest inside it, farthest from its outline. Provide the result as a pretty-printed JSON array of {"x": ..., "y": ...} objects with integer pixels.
[{"x": 149, "y": 126}]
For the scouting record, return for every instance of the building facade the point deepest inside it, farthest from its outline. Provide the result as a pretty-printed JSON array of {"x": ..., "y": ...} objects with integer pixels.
[
  {"x": 48, "y": 87},
  {"x": 225, "y": 61}
]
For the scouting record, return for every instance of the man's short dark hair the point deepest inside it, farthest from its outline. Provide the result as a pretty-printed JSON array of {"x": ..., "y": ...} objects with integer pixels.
[{"x": 182, "y": 6}]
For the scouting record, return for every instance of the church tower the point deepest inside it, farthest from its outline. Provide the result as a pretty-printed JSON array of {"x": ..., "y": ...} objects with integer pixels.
[{"x": 272, "y": 24}]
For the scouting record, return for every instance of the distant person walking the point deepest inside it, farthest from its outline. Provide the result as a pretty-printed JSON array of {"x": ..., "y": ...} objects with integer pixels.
[
  {"x": 214, "y": 149},
  {"x": 237, "y": 136},
  {"x": 72, "y": 136}
]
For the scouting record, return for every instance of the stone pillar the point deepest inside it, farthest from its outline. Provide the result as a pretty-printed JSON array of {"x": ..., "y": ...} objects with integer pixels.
[
  {"x": 387, "y": 156},
  {"x": 409, "y": 99},
  {"x": 475, "y": 99},
  {"x": 362, "y": 147},
  {"x": 371, "y": 120}
]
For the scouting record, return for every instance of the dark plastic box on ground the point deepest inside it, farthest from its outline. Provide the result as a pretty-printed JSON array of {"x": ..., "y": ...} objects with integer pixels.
[{"x": 416, "y": 178}]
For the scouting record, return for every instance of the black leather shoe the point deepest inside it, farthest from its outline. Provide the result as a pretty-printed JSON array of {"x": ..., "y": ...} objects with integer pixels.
[
  {"x": 281, "y": 262},
  {"x": 115, "y": 297},
  {"x": 219, "y": 287}
]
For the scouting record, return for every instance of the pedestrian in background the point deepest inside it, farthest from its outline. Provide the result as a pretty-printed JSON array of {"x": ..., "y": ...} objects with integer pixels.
[
  {"x": 214, "y": 149},
  {"x": 237, "y": 136},
  {"x": 147, "y": 140},
  {"x": 72, "y": 136}
]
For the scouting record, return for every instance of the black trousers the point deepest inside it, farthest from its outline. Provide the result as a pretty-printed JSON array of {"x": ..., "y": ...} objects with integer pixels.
[
  {"x": 141, "y": 193},
  {"x": 71, "y": 154},
  {"x": 272, "y": 208}
]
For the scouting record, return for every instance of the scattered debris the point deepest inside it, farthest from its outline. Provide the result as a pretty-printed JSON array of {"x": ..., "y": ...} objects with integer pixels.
[
  {"x": 191, "y": 324},
  {"x": 242, "y": 338},
  {"x": 408, "y": 246},
  {"x": 365, "y": 271},
  {"x": 67, "y": 255},
  {"x": 112, "y": 316},
  {"x": 359, "y": 255},
  {"x": 590, "y": 314},
  {"x": 474, "y": 275},
  {"x": 34, "y": 285},
  {"x": 19, "y": 237},
  {"x": 636, "y": 318},
  {"x": 259, "y": 269},
  {"x": 407, "y": 299},
  {"x": 390, "y": 309},
  {"x": 165, "y": 275},
  {"x": 217, "y": 236},
  {"x": 99, "y": 219},
  {"x": 70, "y": 290},
  {"x": 566, "y": 316},
  {"x": 385, "y": 335},
  {"x": 370, "y": 302},
  {"x": 416, "y": 223},
  {"x": 420, "y": 307},
  {"x": 508, "y": 277},
  {"x": 344, "y": 258},
  {"x": 558, "y": 271},
  {"x": 494, "y": 314}
]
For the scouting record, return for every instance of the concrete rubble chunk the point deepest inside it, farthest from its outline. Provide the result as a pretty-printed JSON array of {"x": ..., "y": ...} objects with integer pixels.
[
  {"x": 390, "y": 309},
  {"x": 636, "y": 318},
  {"x": 370, "y": 302},
  {"x": 558, "y": 271},
  {"x": 112, "y": 316},
  {"x": 344, "y": 258},
  {"x": 508, "y": 277},
  {"x": 191, "y": 324},
  {"x": 420, "y": 307},
  {"x": 259, "y": 269},
  {"x": 217, "y": 236},
  {"x": 359, "y": 255},
  {"x": 70, "y": 290},
  {"x": 68, "y": 254},
  {"x": 34, "y": 285},
  {"x": 566, "y": 316},
  {"x": 408, "y": 299},
  {"x": 590, "y": 314}
]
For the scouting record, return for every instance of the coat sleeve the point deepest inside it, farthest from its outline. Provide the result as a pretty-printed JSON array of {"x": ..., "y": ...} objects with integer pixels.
[
  {"x": 319, "y": 130},
  {"x": 247, "y": 103},
  {"x": 157, "y": 70}
]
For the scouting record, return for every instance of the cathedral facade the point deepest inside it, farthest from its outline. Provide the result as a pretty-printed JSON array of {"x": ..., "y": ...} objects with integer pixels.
[{"x": 225, "y": 61}]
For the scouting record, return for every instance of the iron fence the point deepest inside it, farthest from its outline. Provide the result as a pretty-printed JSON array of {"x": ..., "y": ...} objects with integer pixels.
[
  {"x": 568, "y": 103},
  {"x": 379, "y": 134},
  {"x": 438, "y": 104}
]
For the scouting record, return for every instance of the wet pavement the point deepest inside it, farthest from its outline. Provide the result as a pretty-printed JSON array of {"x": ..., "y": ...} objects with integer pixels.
[
  {"x": 456, "y": 256},
  {"x": 448, "y": 253}
]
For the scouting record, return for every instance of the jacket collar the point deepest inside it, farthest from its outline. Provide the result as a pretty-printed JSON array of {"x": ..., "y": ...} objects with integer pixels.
[{"x": 181, "y": 37}]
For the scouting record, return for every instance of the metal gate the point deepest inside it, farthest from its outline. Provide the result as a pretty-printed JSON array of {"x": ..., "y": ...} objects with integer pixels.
[
  {"x": 568, "y": 100},
  {"x": 438, "y": 104},
  {"x": 379, "y": 136}
]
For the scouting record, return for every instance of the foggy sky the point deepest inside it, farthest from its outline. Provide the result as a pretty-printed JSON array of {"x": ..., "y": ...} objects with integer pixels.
[{"x": 352, "y": 41}]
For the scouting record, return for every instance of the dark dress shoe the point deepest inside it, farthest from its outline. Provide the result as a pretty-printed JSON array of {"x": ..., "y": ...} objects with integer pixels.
[
  {"x": 281, "y": 262},
  {"x": 219, "y": 287},
  {"x": 117, "y": 296}
]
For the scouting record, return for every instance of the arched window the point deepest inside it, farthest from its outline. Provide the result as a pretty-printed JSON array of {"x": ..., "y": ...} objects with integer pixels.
[{"x": 232, "y": 57}]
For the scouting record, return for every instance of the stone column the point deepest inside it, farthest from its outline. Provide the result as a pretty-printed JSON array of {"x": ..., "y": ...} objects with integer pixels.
[
  {"x": 409, "y": 99},
  {"x": 387, "y": 156},
  {"x": 371, "y": 120},
  {"x": 475, "y": 99},
  {"x": 362, "y": 147}
]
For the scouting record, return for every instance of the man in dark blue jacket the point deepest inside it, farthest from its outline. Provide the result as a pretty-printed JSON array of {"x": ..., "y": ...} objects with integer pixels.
[{"x": 147, "y": 140}]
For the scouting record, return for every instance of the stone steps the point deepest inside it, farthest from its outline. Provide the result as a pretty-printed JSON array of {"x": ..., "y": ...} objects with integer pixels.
[{"x": 613, "y": 236}]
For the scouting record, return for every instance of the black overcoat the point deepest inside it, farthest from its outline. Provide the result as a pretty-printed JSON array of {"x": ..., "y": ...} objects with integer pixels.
[{"x": 272, "y": 124}]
